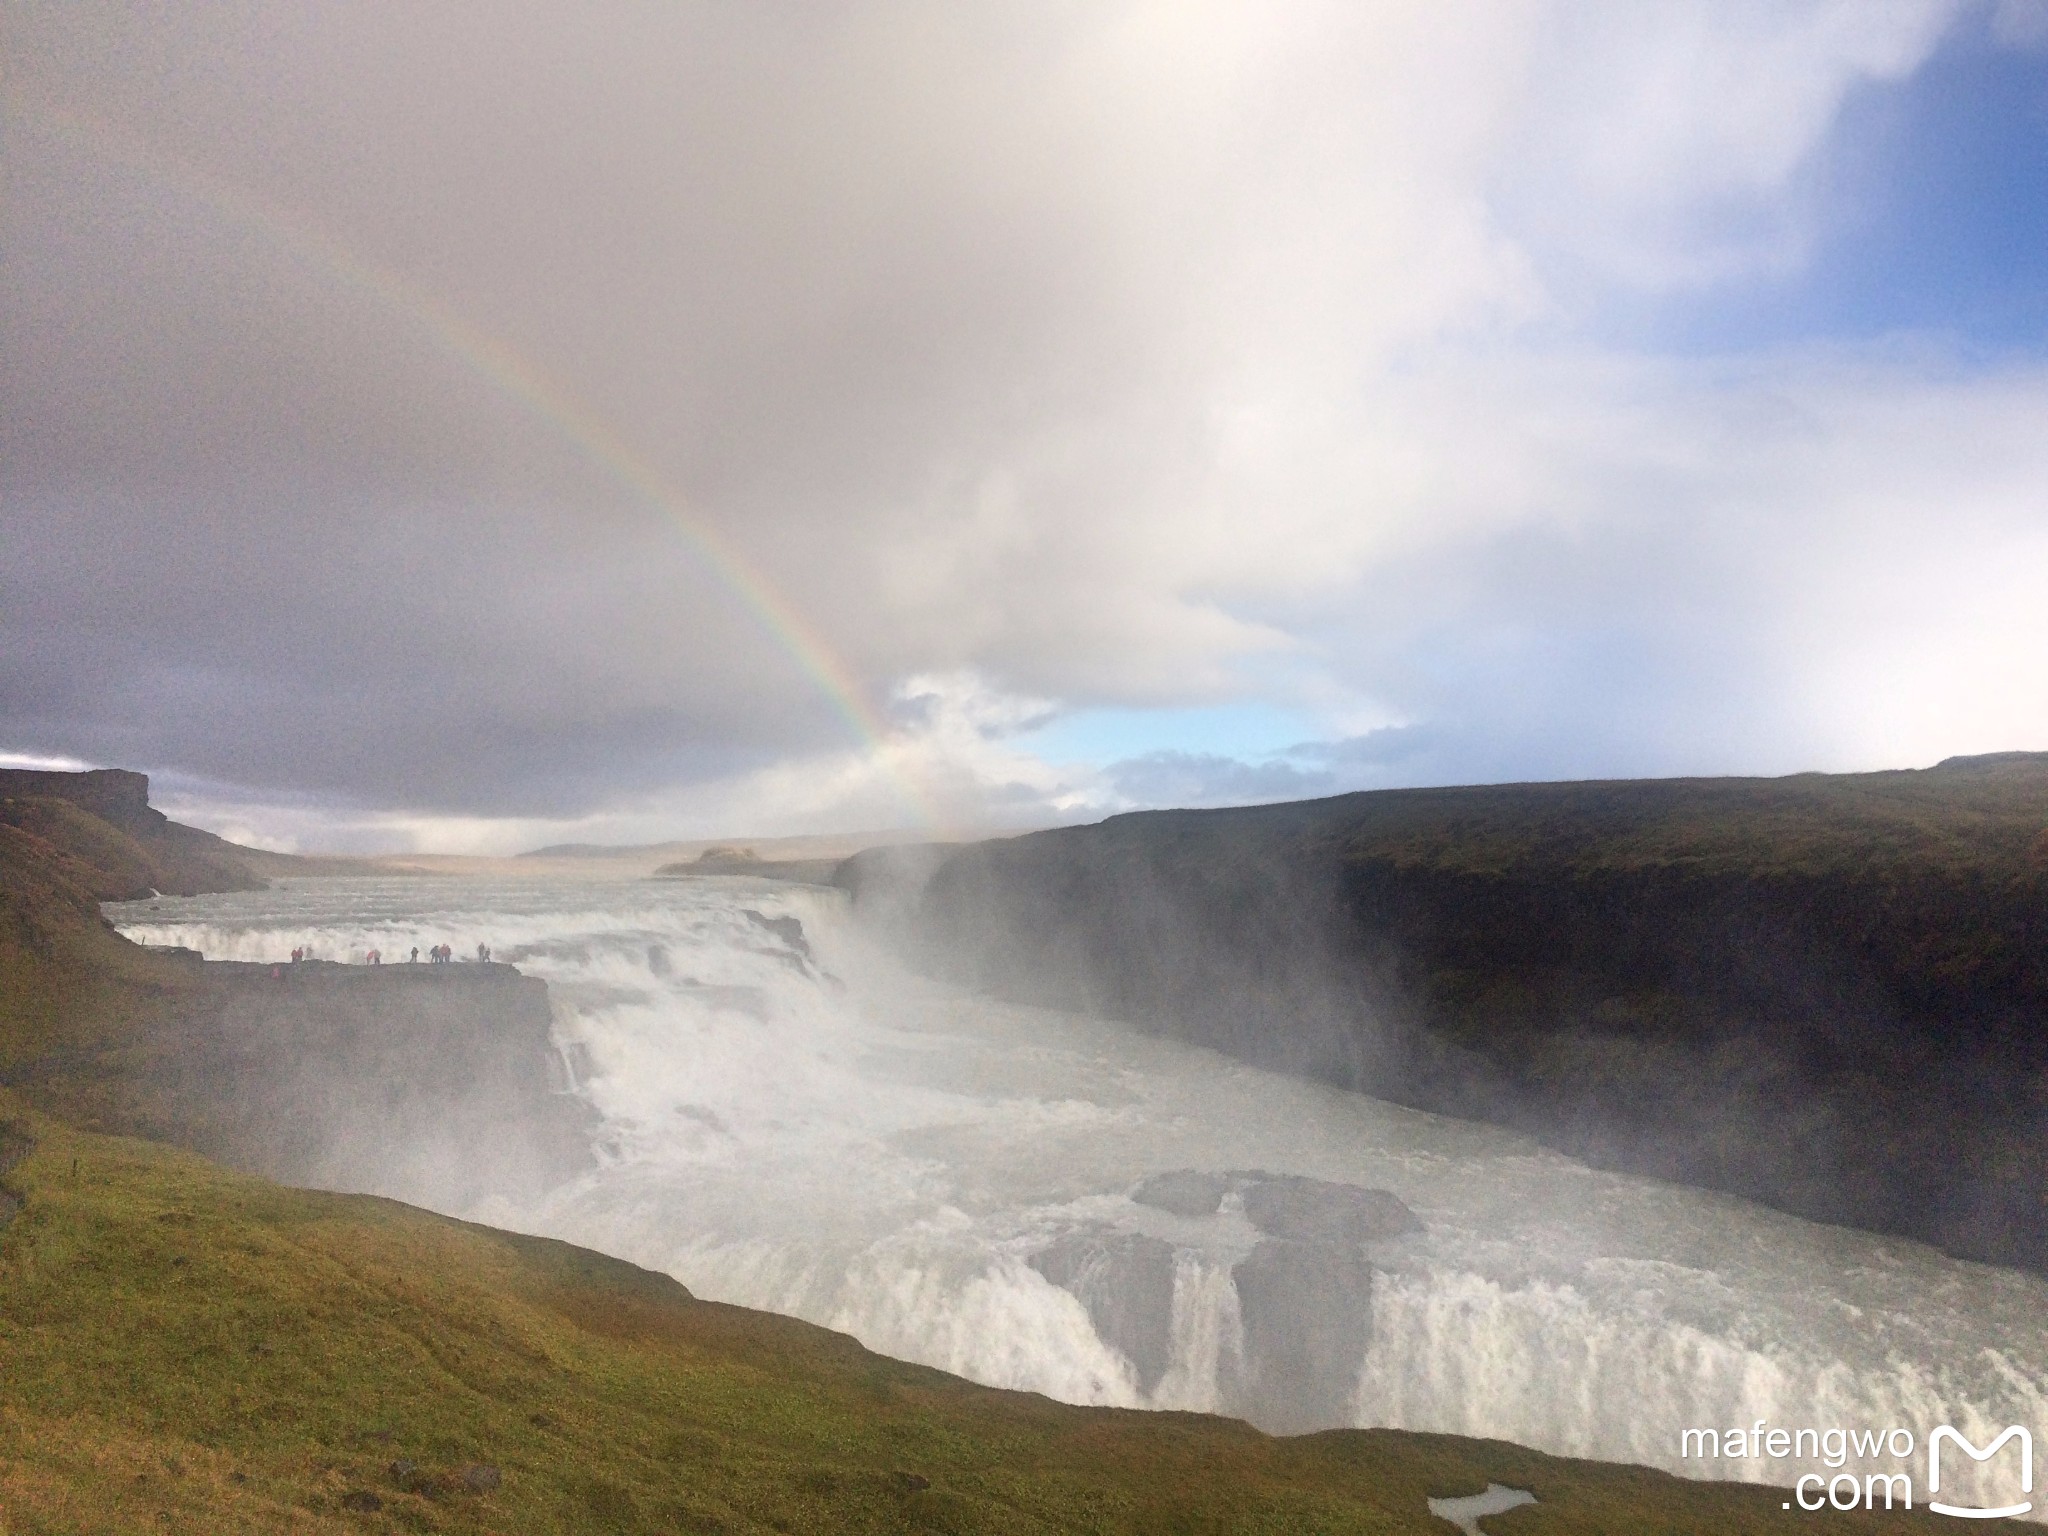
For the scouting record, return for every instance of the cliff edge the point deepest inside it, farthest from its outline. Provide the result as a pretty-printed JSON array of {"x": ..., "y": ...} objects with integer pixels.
[{"x": 121, "y": 846}]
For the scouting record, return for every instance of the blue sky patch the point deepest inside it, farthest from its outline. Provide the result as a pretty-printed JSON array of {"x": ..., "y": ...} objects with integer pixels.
[
  {"x": 1930, "y": 200},
  {"x": 1244, "y": 731}
]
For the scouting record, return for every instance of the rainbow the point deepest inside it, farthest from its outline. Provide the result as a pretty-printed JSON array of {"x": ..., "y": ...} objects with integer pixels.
[{"x": 516, "y": 378}]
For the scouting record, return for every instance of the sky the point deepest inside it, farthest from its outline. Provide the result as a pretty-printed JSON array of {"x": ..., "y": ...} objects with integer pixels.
[{"x": 463, "y": 427}]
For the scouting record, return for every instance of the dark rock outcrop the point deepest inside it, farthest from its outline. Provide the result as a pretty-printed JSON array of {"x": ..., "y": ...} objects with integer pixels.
[
  {"x": 1286, "y": 1205},
  {"x": 115, "y": 795},
  {"x": 789, "y": 930},
  {"x": 1125, "y": 1280},
  {"x": 1184, "y": 1192},
  {"x": 1307, "y": 1314},
  {"x": 1304, "y": 1292}
]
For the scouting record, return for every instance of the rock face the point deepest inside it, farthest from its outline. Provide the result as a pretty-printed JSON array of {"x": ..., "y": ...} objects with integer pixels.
[
  {"x": 433, "y": 1084},
  {"x": 1288, "y": 1206},
  {"x": 115, "y": 795},
  {"x": 1125, "y": 1280},
  {"x": 1184, "y": 1192},
  {"x": 1307, "y": 1313},
  {"x": 1304, "y": 1292},
  {"x": 789, "y": 930}
]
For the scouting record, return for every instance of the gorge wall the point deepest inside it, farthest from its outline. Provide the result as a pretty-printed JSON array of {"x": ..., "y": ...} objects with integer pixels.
[
  {"x": 1826, "y": 992},
  {"x": 436, "y": 1084}
]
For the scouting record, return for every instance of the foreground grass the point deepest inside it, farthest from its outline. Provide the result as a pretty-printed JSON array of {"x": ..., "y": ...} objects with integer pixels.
[{"x": 184, "y": 1348}]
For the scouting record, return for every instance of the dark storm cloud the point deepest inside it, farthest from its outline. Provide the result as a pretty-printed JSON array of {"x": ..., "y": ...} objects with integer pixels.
[{"x": 264, "y": 524}]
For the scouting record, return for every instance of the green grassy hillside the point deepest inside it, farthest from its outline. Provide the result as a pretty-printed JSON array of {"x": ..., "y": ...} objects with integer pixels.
[{"x": 190, "y": 1349}]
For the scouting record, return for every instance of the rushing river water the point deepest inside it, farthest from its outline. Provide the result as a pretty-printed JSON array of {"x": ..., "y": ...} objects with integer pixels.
[{"x": 790, "y": 1122}]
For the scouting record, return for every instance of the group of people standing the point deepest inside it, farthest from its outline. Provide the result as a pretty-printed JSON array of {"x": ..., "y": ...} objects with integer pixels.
[{"x": 440, "y": 954}]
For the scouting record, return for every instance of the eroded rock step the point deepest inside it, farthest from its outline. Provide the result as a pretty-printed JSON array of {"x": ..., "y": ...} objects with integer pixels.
[{"x": 1304, "y": 1292}]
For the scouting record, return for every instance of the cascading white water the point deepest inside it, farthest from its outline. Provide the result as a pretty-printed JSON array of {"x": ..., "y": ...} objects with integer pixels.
[{"x": 818, "y": 1133}]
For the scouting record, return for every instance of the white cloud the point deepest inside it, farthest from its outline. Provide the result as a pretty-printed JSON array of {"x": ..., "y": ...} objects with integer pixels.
[
  {"x": 1664, "y": 143},
  {"x": 34, "y": 760},
  {"x": 1114, "y": 355}
]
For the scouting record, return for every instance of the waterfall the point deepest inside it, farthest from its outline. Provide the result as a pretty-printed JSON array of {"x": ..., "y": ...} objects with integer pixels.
[{"x": 790, "y": 1122}]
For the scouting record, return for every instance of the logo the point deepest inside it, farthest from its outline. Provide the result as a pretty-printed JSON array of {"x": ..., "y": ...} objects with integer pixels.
[{"x": 1971, "y": 1512}]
